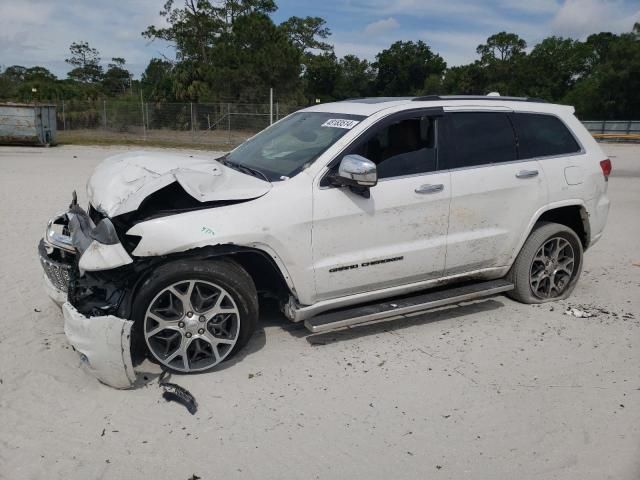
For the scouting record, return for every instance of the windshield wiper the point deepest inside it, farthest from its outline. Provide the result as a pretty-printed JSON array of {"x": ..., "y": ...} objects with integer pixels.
[{"x": 244, "y": 169}]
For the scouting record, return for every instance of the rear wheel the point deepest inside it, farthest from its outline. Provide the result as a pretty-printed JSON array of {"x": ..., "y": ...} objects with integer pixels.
[
  {"x": 193, "y": 315},
  {"x": 548, "y": 266}
]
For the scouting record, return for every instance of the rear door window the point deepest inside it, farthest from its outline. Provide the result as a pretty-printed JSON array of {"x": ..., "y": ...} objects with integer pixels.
[
  {"x": 478, "y": 138},
  {"x": 542, "y": 135}
]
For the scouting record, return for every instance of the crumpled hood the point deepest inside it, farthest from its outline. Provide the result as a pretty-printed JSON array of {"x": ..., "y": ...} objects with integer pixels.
[{"x": 120, "y": 183}]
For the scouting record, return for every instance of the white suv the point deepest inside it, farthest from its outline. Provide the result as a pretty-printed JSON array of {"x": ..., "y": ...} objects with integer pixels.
[{"x": 346, "y": 212}]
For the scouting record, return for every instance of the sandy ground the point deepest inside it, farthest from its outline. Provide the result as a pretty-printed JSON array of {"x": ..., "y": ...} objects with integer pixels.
[{"x": 491, "y": 390}]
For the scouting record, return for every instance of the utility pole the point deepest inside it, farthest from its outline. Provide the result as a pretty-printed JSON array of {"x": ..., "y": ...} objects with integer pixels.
[
  {"x": 144, "y": 128},
  {"x": 271, "y": 106},
  {"x": 229, "y": 122},
  {"x": 192, "y": 130}
]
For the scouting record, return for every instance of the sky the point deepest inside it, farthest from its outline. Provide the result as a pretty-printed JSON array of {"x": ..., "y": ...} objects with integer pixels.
[{"x": 39, "y": 32}]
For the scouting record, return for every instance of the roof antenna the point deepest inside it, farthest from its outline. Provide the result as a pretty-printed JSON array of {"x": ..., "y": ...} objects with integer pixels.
[{"x": 493, "y": 94}]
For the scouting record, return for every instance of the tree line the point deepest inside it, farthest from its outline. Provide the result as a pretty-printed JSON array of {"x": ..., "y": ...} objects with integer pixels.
[{"x": 233, "y": 51}]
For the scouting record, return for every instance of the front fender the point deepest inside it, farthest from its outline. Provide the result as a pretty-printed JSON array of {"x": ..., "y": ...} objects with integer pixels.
[{"x": 161, "y": 237}]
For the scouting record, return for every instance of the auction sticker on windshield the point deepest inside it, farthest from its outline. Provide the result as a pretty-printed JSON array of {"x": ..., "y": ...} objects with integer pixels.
[{"x": 340, "y": 123}]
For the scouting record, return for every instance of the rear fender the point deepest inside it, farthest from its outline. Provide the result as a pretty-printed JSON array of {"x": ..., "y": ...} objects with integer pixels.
[{"x": 584, "y": 215}]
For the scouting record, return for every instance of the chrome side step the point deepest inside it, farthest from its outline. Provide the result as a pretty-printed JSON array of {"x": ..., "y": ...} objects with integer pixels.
[{"x": 405, "y": 305}]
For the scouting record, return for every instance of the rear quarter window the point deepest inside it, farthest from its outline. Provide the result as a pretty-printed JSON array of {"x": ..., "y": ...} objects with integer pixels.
[{"x": 542, "y": 135}]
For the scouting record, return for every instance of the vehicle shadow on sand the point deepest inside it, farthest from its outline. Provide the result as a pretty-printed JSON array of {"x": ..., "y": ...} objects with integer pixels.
[
  {"x": 270, "y": 316},
  {"x": 148, "y": 371}
]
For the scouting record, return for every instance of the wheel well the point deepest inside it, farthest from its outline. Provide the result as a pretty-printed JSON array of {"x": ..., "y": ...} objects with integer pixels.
[
  {"x": 264, "y": 272},
  {"x": 266, "y": 275},
  {"x": 574, "y": 216}
]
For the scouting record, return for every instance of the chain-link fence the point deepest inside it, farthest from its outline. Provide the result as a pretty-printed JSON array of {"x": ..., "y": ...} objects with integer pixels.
[
  {"x": 111, "y": 121},
  {"x": 224, "y": 124}
]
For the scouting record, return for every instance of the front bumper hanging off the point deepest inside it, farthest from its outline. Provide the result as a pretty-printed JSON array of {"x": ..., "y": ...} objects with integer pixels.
[
  {"x": 104, "y": 345},
  {"x": 73, "y": 245}
]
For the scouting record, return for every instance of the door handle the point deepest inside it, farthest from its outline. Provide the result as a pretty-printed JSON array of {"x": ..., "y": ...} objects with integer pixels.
[
  {"x": 428, "y": 188},
  {"x": 527, "y": 173}
]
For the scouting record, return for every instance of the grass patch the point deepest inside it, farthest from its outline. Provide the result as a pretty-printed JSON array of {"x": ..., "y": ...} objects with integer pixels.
[{"x": 210, "y": 140}]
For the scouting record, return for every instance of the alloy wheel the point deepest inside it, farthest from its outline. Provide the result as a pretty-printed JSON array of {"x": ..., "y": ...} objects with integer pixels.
[
  {"x": 191, "y": 325},
  {"x": 552, "y": 268}
]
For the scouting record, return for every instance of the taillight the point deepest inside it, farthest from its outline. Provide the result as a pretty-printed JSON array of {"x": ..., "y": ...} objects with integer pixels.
[{"x": 606, "y": 167}]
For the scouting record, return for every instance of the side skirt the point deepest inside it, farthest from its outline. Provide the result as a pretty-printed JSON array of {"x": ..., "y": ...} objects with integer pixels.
[
  {"x": 298, "y": 313},
  {"x": 404, "y": 306}
]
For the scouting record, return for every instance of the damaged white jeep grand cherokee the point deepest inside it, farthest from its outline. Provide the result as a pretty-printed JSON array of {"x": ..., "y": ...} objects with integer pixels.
[{"x": 346, "y": 212}]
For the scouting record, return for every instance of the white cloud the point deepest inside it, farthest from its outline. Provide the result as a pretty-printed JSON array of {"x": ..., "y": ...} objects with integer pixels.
[
  {"x": 456, "y": 48},
  {"x": 454, "y": 39},
  {"x": 579, "y": 18},
  {"x": 381, "y": 26},
  {"x": 474, "y": 22},
  {"x": 536, "y": 7},
  {"x": 33, "y": 32},
  {"x": 39, "y": 32},
  {"x": 366, "y": 50},
  {"x": 14, "y": 16}
]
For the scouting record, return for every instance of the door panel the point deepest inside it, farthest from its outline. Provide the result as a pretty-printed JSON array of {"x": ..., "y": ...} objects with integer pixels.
[
  {"x": 490, "y": 208},
  {"x": 396, "y": 236},
  {"x": 493, "y": 194}
]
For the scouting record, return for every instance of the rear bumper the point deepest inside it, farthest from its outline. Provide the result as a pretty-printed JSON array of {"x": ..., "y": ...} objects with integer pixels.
[
  {"x": 104, "y": 345},
  {"x": 598, "y": 213}
]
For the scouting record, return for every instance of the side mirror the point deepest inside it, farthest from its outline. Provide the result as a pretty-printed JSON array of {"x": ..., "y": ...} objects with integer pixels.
[{"x": 357, "y": 171}]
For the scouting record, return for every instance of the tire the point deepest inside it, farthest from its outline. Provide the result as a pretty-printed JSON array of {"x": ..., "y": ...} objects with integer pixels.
[
  {"x": 203, "y": 310},
  {"x": 536, "y": 271}
]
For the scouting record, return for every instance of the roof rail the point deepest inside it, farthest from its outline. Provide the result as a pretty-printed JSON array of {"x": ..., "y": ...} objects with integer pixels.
[{"x": 431, "y": 98}]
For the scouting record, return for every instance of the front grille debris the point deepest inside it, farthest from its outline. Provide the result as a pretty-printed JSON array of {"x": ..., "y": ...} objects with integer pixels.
[
  {"x": 178, "y": 394},
  {"x": 57, "y": 273}
]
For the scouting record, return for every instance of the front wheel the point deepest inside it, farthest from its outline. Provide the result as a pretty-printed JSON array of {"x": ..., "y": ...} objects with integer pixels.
[
  {"x": 548, "y": 266},
  {"x": 193, "y": 315}
]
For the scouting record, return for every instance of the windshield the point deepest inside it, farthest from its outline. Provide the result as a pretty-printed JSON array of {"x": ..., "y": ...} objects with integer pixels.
[{"x": 292, "y": 144}]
